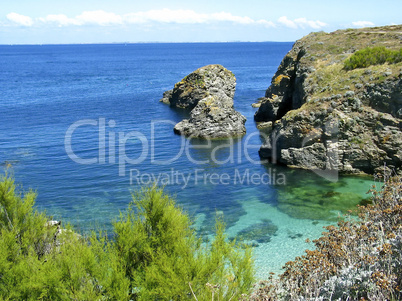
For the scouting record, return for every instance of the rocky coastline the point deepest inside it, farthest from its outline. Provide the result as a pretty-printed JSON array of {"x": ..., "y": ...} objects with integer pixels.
[
  {"x": 208, "y": 92},
  {"x": 317, "y": 115}
]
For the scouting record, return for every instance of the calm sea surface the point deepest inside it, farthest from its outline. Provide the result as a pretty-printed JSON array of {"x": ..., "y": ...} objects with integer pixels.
[{"x": 82, "y": 125}]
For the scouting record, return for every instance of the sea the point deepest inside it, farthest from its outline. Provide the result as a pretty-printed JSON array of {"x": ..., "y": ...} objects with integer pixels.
[{"x": 82, "y": 126}]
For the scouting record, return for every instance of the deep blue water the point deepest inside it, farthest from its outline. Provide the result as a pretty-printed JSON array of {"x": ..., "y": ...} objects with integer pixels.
[{"x": 46, "y": 90}]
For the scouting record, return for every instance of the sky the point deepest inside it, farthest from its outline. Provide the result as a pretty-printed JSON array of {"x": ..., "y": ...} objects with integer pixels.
[{"x": 130, "y": 21}]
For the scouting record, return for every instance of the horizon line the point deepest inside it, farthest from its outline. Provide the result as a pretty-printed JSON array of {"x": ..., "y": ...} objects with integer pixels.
[{"x": 140, "y": 42}]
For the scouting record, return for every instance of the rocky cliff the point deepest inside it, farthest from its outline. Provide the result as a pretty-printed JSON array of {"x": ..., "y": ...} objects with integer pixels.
[
  {"x": 318, "y": 115},
  {"x": 209, "y": 93}
]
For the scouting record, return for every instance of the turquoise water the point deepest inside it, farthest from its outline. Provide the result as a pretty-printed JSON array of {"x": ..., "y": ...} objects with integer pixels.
[{"x": 83, "y": 126}]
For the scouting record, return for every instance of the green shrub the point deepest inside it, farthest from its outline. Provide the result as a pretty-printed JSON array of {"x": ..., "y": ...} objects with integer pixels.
[
  {"x": 396, "y": 57},
  {"x": 154, "y": 255},
  {"x": 372, "y": 56},
  {"x": 163, "y": 257},
  {"x": 40, "y": 262}
]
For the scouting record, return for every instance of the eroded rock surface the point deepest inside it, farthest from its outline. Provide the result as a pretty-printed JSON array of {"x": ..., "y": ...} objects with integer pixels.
[
  {"x": 324, "y": 117},
  {"x": 209, "y": 93}
]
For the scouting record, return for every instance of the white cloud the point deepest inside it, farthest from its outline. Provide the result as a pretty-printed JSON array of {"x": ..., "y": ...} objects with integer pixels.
[
  {"x": 266, "y": 23},
  {"x": 301, "y": 23},
  {"x": 182, "y": 16},
  {"x": 166, "y": 16},
  {"x": 178, "y": 16},
  {"x": 362, "y": 24},
  {"x": 223, "y": 16},
  {"x": 99, "y": 17},
  {"x": 60, "y": 20},
  {"x": 103, "y": 18},
  {"x": 288, "y": 23},
  {"x": 20, "y": 19}
]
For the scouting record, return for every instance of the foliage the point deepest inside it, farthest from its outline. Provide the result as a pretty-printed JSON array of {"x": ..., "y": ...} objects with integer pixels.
[
  {"x": 372, "y": 56},
  {"x": 162, "y": 254},
  {"x": 19, "y": 219},
  {"x": 38, "y": 261},
  {"x": 154, "y": 255},
  {"x": 356, "y": 260}
]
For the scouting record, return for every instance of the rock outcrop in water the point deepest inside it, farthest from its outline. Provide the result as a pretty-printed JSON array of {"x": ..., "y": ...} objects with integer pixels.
[
  {"x": 208, "y": 92},
  {"x": 326, "y": 118}
]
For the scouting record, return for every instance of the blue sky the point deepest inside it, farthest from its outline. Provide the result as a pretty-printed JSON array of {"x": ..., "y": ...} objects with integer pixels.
[{"x": 102, "y": 21}]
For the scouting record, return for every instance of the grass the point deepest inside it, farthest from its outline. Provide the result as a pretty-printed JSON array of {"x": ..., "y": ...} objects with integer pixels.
[
  {"x": 334, "y": 79},
  {"x": 328, "y": 53}
]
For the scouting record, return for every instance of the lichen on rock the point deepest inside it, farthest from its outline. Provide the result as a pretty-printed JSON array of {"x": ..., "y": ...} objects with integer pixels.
[
  {"x": 208, "y": 92},
  {"x": 326, "y": 117},
  {"x": 205, "y": 81},
  {"x": 209, "y": 119}
]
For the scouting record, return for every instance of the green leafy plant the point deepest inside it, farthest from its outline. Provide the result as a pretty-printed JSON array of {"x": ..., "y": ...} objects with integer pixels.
[
  {"x": 165, "y": 260},
  {"x": 39, "y": 261},
  {"x": 154, "y": 255},
  {"x": 372, "y": 56}
]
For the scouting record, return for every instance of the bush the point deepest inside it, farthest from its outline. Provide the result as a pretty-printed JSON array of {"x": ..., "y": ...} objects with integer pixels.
[
  {"x": 38, "y": 261},
  {"x": 372, "y": 56},
  {"x": 357, "y": 260},
  {"x": 163, "y": 257},
  {"x": 154, "y": 255}
]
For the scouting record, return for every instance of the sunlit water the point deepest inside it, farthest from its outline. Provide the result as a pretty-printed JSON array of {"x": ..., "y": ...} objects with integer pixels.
[{"x": 107, "y": 97}]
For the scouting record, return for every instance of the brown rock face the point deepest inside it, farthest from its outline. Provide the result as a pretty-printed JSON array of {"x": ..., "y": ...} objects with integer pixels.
[{"x": 325, "y": 117}]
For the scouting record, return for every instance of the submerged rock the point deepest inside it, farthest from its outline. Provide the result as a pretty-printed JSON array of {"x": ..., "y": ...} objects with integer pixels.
[
  {"x": 209, "y": 93},
  {"x": 327, "y": 118},
  {"x": 260, "y": 232},
  {"x": 229, "y": 216},
  {"x": 309, "y": 203}
]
